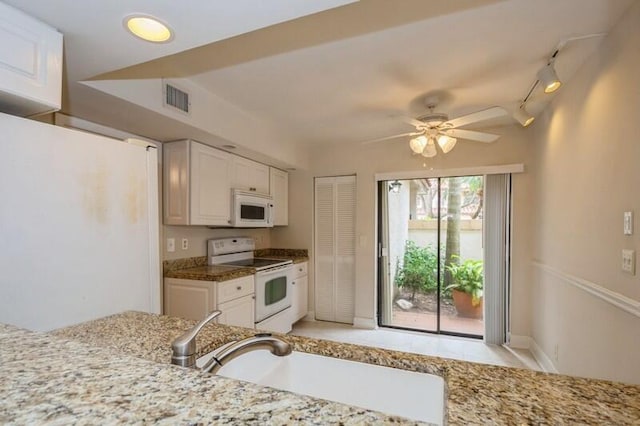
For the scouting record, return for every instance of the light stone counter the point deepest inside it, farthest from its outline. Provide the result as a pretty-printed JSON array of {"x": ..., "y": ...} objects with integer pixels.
[{"x": 106, "y": 386}]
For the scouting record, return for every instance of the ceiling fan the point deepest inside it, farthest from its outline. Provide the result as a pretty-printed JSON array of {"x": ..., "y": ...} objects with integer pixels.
[{"x": 436, "y": 128}]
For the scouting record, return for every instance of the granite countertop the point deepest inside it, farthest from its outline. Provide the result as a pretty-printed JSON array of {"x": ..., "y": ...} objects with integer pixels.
[
  {"x": 196, "y": 268},
  {"x": 476, "y": 393},
  {"x": 56, "y": 380}
]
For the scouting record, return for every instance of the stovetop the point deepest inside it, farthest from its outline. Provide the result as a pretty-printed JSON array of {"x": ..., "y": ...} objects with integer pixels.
[{"x": 258, "y": 262}]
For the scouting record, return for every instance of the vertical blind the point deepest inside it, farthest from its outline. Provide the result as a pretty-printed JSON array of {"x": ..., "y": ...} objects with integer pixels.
[{"x": 496, "y": 265}]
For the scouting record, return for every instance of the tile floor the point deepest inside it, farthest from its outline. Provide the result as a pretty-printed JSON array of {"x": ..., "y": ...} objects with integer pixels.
[{"x": 471, "y": 350}]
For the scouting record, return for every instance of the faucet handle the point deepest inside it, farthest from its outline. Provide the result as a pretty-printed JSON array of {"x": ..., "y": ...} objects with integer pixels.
[{"x": 184, "y": 347}]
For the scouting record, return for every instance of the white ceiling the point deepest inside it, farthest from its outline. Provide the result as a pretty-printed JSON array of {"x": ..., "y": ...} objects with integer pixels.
[{"x": 334, "y": 76}]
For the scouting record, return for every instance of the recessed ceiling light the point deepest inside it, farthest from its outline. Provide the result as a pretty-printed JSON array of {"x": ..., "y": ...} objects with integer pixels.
[{"x": 148, "y": 28}]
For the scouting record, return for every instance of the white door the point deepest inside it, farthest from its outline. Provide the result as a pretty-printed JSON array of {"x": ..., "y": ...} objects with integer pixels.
[{"x": 335, "y": 210}]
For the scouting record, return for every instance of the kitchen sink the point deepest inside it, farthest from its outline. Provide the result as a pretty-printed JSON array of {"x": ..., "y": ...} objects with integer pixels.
[{"x": 417, "y": 396}]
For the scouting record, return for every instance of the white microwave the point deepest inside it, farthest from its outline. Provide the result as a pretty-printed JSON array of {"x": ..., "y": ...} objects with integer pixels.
[{"x": 251, "y": 209}]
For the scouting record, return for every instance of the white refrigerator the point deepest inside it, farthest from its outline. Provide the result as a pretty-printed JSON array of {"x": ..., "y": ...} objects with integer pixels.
[{"x": 79, "y": 226}]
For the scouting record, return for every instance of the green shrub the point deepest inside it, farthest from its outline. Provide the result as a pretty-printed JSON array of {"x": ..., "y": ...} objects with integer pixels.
[{"x": 419, "y": 272}]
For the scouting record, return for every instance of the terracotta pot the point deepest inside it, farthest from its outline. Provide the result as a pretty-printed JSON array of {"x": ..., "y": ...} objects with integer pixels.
[{"x": 464, "y": 305}]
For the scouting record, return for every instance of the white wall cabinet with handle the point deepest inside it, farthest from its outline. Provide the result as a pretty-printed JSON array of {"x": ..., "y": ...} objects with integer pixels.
[
  {"x": 30, "y": 64},
  {"x": 197, "y": 184},
  {"x": 300, "y": 291},
  {"x": 249, "y": 175},
  {"x": 279, "y": 190}
]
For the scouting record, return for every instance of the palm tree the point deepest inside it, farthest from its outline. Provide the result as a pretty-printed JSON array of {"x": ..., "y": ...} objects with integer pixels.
[{"x": 452, "y": 248}]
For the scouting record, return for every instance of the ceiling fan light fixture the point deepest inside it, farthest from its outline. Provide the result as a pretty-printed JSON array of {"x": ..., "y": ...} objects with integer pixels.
[
  {"x": 446, "y": 143},
  {"x": 417, "y": 144},
  {"x": 549, "y": 79},
  {"x": 523, "y": 117},
  {"x": 430, "y": 150}
]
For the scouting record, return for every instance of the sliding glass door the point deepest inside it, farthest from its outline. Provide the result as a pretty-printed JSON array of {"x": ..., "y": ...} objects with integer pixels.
[{"x": 431, "y": 255}]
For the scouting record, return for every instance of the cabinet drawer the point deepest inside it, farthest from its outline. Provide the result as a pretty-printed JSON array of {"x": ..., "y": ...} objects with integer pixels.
[
  {"x": 299, "y": 269},
  {"x": 232, "y": 289}
]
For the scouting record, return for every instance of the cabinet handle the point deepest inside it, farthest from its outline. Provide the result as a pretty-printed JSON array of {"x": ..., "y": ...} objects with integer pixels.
[
  {"x": 293, "y": 283},
  {"x": 300, "y": 269},
  {"x": 239, "y": 288}
]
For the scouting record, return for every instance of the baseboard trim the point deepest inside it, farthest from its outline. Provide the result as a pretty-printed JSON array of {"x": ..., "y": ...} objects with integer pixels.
[
  {"x": 519, "y": 342},
  {"x": 543, "y": 360},
  {"x": 366, "y": 323},
  {"x": 623, "y": 302},
  {"x": 310, "y": 317}
]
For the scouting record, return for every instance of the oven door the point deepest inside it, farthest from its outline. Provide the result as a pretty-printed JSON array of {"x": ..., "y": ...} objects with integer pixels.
[{"x": 273, "y": 291}]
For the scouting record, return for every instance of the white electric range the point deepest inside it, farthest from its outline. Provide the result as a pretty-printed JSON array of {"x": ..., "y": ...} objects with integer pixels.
[{"x": 272, "y": 280}]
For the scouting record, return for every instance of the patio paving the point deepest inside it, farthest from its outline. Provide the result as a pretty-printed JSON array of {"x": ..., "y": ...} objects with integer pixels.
[{"x": 428, "y": 321}]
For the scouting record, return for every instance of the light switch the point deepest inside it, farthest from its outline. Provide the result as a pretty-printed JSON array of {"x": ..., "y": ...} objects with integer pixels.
[
  {"x": 171, "y": 245},
  {"x": 628, "y": 223},
  {"x": 629, "y": 261}
]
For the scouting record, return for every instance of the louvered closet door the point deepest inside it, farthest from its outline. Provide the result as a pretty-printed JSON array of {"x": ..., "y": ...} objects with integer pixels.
[{"x": 335, "y": 200}]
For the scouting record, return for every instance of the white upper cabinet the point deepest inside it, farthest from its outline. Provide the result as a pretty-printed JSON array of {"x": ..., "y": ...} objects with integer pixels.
[
  {"x": 279, "y": 190},
  {"x": 197, "y": 184},
  {"x": 30, "y": 64},
  {"x": 250, "y": 175}
]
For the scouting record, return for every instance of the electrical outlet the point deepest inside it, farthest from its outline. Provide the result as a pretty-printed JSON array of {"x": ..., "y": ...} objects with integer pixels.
[
  {"x": 171, "y": 245},
  {"x": 185, "y": 244},
  {"x": 629, "y": 261}
]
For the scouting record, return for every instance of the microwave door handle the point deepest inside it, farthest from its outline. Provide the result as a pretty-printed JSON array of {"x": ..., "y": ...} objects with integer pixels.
[{"x": 269, "y": 212}]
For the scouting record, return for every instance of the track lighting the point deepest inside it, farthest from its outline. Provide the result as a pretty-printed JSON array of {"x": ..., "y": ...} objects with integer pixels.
[
  {"x": 549, "y": 79},
  {"x": 523, "y": 116}
]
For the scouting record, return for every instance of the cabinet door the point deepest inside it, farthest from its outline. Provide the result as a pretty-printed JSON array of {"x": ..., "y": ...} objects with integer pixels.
[
  {"x": 300, "y": 297},
  {"x": 30, "y": 64},
  {"x": 189, "y": 299},
  {"x": 210, "y": 186},
  {"x": 279, "y": 187},
  {"x": 250, "y": 175},
  {"x": 239, "y": 312},
  {"x": 176, "y": 183}
]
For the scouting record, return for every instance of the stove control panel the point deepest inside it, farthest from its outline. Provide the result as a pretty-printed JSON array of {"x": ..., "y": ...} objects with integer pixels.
[{"x": 230, "y": 245}]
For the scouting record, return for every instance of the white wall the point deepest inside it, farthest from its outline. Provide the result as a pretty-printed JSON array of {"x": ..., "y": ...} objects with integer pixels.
[
  {"x": 365, "y": 161},
  {"x": 197, "y": 237},
  {"x": 587, "y": 152}
]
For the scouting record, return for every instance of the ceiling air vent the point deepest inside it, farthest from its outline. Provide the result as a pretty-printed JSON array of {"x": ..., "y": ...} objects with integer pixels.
[{"x": 176, "y": 98}]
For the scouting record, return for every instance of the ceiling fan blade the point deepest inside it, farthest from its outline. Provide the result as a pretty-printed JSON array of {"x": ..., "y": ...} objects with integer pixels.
[
  {"x": 485, "y": 114},
  {"x": 471, "y": 135},
  {"x": 386, "y": 138},
  {"x": 416, "y": 123}
]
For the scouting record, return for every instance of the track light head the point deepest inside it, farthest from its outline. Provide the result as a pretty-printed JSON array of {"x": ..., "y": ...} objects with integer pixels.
[
  {"x": 523, "y": 116},
  {"x": 549, "y": 79}
]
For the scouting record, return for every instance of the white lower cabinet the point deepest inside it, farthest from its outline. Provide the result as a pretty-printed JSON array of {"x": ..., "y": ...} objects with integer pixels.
[
  {"x": 194, "y": 299},
  {"x": 300, "y": 292},
  {"x": 239, "y": 312}
]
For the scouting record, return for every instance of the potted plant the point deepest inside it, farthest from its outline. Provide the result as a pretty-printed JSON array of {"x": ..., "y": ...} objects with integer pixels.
[{"x": 467, "y": 286}]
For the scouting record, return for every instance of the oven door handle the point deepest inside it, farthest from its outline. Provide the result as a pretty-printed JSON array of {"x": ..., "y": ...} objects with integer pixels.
[{"x": 273, "y": 271}]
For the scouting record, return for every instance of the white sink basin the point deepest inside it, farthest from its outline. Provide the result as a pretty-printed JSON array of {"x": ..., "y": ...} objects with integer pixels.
[{"x": 417, "y": 396}]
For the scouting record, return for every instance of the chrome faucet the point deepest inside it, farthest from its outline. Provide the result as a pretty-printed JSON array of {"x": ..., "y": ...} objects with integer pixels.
[
  {"x": 184, "y": 347},
  {"x": 233, "y": 350}
]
